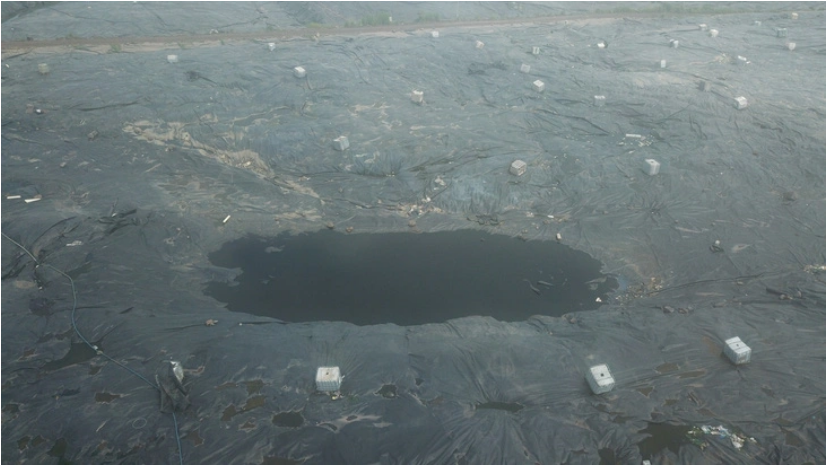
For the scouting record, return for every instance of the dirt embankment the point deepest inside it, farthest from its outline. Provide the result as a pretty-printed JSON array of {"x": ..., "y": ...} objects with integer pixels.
[{"x": 12, "y": 48}]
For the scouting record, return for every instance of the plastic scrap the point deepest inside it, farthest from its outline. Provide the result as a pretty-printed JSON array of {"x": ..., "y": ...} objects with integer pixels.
[{"x": 696, "y": 435}]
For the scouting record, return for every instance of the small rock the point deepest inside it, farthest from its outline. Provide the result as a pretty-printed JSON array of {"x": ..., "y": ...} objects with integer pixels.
[
  {"x": 92, "y": 135},
  {"x": 412, "y": 223},
  {"x": 330, "y": 225},
  {"x": 349, "y": 229}
]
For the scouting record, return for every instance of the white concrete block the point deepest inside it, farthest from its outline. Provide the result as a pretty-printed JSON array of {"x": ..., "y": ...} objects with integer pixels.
[
  {"x": 791, "y": 46},
  {"x": 652, "y": 167},
  {"x": 703, "y": 27},
  {"x": 741, "y": 103},
  {"x": 299, "y": 72},
  {"x": 341, "y": 143},
  {"x": 539, "y": 85},
  {"x": 43, "y": 68},
  {"x": 417, "y": 97},
  {"x": 756, "y": 23},
  {"x": 599, "y": 100},
  {"x": 600, "y": 379},
  {"x": 479, "y": 44},
  {"x": 601, "y": 44},
  {"x": 793, "y": 15},
  {"x": 713, "y": 33},
  {"x": 781, "y": 32},
  {"x": 271, "y": 46},
  {"x": 328, "y": 379},
  {"x": 674, "y": 43},
  {"x": 662, "y": 64},
  {"x": 435, "y": 34},
  {"x": 518, "y": 168},
  {"x": 736, "y": 351},
  {"x": 524, "y": 68},
  {"x": 535, "y": 50},
  {"x": 172, "y": 58}
]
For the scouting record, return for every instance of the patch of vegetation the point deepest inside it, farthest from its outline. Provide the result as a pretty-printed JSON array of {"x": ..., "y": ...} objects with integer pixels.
[
  {"x": 315, "y": 26},
  {"x": 666, "y": 8},
  {"x": 378, "y": 19},
  {"x": 427, "y": 17},
  {"x": 115, "y": 48}
]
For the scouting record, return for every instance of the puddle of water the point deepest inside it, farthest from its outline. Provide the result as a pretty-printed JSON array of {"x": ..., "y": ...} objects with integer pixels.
[
  {"x": 196, "y": 438},
  {"x": 105, "y": 397},
  {"x": 663, "y": 436},
  {"x": 79, "y": 352},
  {"x": 406, "y": 278},
  {"x": 692, "y": 374},
  {"x": 388, "y": 391},
  {"x": 667, "y": 368},
  {"x": 288, "y": 419}
]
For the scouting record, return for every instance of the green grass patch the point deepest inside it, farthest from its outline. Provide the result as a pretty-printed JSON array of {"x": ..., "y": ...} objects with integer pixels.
[
  {"x": 427, "y": 17},
  {"x": 378, "y": 19}
]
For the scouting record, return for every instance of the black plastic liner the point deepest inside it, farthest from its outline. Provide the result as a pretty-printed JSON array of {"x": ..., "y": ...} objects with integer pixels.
[{"x": 137, "y": 169}]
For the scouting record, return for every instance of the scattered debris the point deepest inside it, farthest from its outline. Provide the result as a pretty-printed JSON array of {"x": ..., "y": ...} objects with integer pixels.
[{"x": 696, "y": 436}]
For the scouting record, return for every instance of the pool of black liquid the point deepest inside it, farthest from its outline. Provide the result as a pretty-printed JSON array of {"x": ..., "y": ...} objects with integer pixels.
[{"x": 407, "y": 278}]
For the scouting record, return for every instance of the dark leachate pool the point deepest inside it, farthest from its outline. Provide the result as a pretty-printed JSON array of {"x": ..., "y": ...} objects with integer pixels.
[{"x": 407, "y": 278}]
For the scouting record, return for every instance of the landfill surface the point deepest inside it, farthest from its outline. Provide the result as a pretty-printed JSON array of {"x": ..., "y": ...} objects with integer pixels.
[{"x": 157, "y": 132}]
